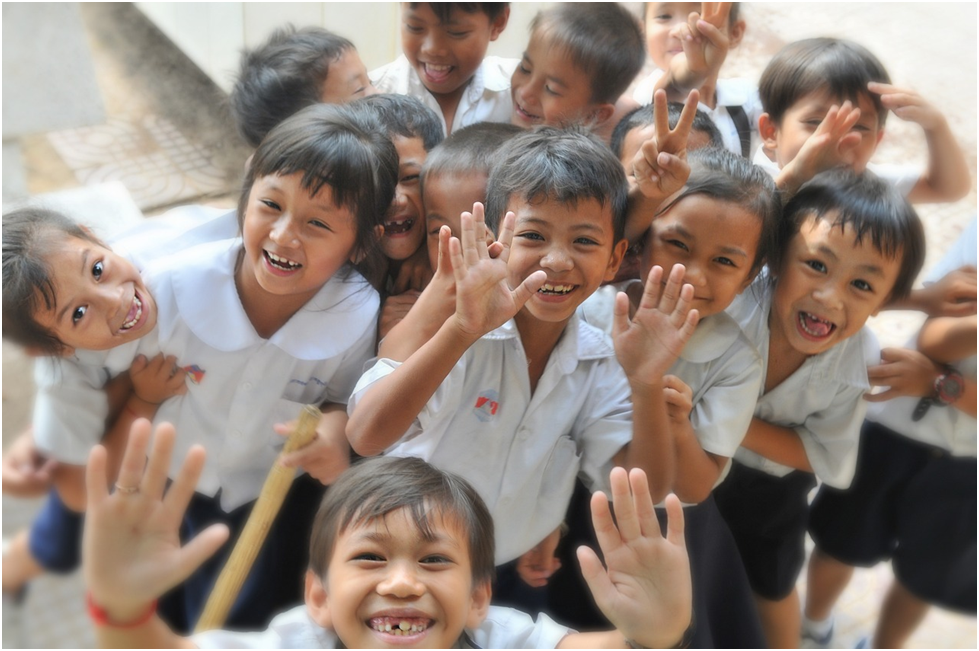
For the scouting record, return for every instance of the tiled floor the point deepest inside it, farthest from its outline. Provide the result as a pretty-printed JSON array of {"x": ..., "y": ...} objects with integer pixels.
[{"x": 168, "y": 141}]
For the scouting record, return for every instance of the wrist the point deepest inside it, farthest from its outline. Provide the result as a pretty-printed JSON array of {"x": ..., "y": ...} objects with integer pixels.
[
  {"x": 129, "y": 616},
  {"x": 141, "y": 407}
]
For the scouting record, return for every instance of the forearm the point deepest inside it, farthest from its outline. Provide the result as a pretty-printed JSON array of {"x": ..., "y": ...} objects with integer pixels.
[
  {"x": 388, "y": 408},
  {"x": 696, "y": 469},
  {"x": 948, "y": 339},
  {"x": 967, "y": 401},
  {"x": 423, "y": 320},
  {"x": 947, "y": 177},
  {"x": 69, "y": 481},
  {"x": 779, "y": 444},
  {"x": 640, "y": 214},
  {"x": 652, "y": 445},
  {"x": 154, "y": 634}
]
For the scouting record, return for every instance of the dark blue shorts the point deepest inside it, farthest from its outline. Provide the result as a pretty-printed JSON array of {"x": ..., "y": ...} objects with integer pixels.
[{"x": 56, "y": 536}]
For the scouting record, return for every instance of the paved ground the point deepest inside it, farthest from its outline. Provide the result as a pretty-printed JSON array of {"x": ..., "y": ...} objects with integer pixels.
[{"x": 167, "y": 139}]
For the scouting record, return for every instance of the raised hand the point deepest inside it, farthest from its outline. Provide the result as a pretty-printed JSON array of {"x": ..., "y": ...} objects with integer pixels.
[
  {"x": 908, "y": 105},
  {"x": 328, "y": 455},
  {"x": 660, "y": 166},
  {"x": 484, "y": 300},
  {"x": 645, "y": 589},
  {"x": 904, "y": 372},
  {"x": 647, "y": 344},
  {"x": 705, "y": 44},
  {"x": 831, "y": 145},
  {"x": 131, "y": 546},
  {"x": 157, "y": 379},
  {"x": 953, "y": 295}
]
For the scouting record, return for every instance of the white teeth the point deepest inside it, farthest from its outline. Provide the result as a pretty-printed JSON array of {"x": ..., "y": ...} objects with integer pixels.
[
  {"x": 283, "y": 263},
  {"x": 555, "y": 289},
  {"x": 437, "y": 68},
  {"x": 139, "y": 312},
  {"x": 400, "y": 628}
]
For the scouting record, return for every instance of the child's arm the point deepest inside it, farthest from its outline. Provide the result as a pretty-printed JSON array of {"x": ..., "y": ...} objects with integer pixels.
[
  {"x": 954, "y": 294},
  {"x": 947, "y": 177},
  {"x": 948, "y": 339},
  {"x": 831, "y": 145},
  {"x": 780, "y": 444},
  {"x": 26, "y": 472},
  {"x": 394, "y": 310},
  {"x": 484, "y": 301},
  {"x": 697, "y": 470},
  {"x": 328, "y": 455},
  {"x": 660, "y": 166},
  {"x": 705, "y": 46},
  {"x": 645, "y": 589},
  {"x": 646, "y": 346},
  {"x": 131, "y": 551},
  {"x": 910, "y": 373}
]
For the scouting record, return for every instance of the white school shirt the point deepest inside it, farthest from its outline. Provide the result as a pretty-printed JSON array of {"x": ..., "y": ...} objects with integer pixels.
[
  {"x": 718, "y": 363},
  {"x": 944, "y": 427},
  {"x": 728, "y": 92},
  {"x": 503, "y": 628},
  {"x": 822, "y": 400},
  {"x": 485, "y": 99},
  {"x": 522, "y": 452},
  {"x": 70, "y": 406},
  {"x": 240, "y": 384},
  {"x": 902, "y": 177}
]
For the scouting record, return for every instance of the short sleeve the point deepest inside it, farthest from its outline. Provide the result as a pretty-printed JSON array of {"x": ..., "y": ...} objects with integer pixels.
[
  {"x": 722, "y": 415},
  {"x": 70, "y": 409},
  {"x": 292, "y": 629},
  {"x": 506, "y": 628},
  {"x": 604, "y": 424}
]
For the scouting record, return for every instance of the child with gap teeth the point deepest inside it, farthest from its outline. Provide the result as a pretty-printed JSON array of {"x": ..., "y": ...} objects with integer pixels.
[
  {"x": 401, "y": 556},
  {"x": 850, "y": 244},
  {"x": 514, "y": 391}
]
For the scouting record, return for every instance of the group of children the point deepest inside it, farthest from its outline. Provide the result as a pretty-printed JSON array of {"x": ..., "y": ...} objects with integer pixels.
[{"x": 510, "y": 272}]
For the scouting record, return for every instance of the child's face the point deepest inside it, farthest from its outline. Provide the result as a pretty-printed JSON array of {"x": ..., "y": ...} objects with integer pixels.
[
  {"x": 387, "y": 585},
  {"x": 447, "y": 55},
  {"x": 293, "y": 242},
  {"x": 404, "y": 224},
  {"x": 548, "y": 89},
  {"x": 828, "y": 286},
  {"x": 346, "y": 80},
  {"x": 447, "y": 196},
  {"x": 663, "y": 17},
  {"x": 574, "y": 245},
  {"x": 100, "y": 299},
  {"x": 803, "y": 118},
  {"x": 715, "y": 240}
]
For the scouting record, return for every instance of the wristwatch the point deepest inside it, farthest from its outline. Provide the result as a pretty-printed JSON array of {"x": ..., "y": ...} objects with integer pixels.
[{"x": 947, "y": 389}]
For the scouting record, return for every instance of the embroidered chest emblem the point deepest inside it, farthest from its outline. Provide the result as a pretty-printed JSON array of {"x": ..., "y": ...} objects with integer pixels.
[
  {"x": 486, "y": 405},
  {"x": 195, "y": 373}
]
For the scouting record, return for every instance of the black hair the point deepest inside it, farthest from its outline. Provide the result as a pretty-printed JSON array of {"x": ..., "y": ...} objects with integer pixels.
[
  {"x": 724, "y": 176},
  {"x": 443, "y": 10},
  {"x": 28, "y": 236},
  {"x": 344, "y": 147},
  {"x": 470, "y": 150},
  {"x": 372, "y": 488},
  {"x": 604, "y": 40},
  {"x": 868, "y": 206},
  {"x": 643, "y": 116},
  {"x": 842, "y": 68},
  {"x": 281, "y": 77},
  {"x": 551, "y": 164},
  {"x": 406, "y": 116}
]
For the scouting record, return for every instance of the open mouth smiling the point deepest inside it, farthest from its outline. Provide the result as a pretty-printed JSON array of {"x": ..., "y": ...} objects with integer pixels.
[
  {"x": 278, "y": 262},
  {"x": 815, "y": 327}
]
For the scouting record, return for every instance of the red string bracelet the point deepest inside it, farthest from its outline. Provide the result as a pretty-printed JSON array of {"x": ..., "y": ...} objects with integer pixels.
[{"x": 101, "y": 618}]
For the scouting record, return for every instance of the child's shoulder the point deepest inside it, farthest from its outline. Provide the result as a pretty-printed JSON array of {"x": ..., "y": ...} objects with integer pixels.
[
  {"x": 292, "y": 629},
  {"x": 506, "y": 628}
]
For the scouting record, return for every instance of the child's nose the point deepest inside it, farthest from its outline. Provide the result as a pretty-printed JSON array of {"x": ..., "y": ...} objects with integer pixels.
[
  {"x": 284, "y": 231},
  {"x": 828, "y": 294},
  {"x": 694, "y": 274},
  {"x": 433, "y": 44},
  {"x": 557, "y": 259},
  {"x": 401, "y": 582}
]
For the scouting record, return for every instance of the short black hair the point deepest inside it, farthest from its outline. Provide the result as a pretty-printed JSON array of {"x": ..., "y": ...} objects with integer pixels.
[
  {"x": 842, "y": 68},
  {"x": 470, "y": 150},
  {"x": 644, "y": 116},
  {"x": 345, "y": 147},
  {"x": 870, "y": 207},
  {"x": 564, "y": 165},
  {"x": 443, "y": 10},
  {"x": 604, "y": 40},
  {"x": 406, "y": 116},
  {"x": 725, "y": 176},
  {"x": 28, "y": 237},
  {"x": 372, "y": 488},
  {"x": 282, "y": 76}
]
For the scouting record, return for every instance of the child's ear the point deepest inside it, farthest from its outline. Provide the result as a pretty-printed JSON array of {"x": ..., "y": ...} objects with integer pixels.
[
  {"x": 499, "y": 23},
  {"x": 317, "y": 604},
  {"x": 768, "y": 131},
  {"x": 479, "y": 607},
  {"x": 602, "y": 113},
  {"x": 736, "y": 33},
  {"x": 615, "y": 260},
  {"x": 880, "y": 134}
]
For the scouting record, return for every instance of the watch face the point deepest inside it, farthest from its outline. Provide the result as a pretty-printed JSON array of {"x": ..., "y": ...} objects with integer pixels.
[{"x": 949, "y": 387}]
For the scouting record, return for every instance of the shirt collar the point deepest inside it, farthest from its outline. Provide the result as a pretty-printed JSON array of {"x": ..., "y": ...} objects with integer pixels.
[
  {"x": 713, "y": 336},
  {"x": 207, "y": 299},
  {"x": 579, "y": 341}
]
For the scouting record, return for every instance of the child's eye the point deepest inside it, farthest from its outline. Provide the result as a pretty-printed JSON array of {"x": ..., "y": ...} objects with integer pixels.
[
  {"x": 318, "y": 224},
  {"x": 459, "y": 35},
  {"x": 97, "y": 270},
  {"x": 663, "y": 18},
  {"x": 77, "y": 315},
  {"x": 531, "y": 236},
  {"x": 369, "y": 557},
  {"x": 551, "y": 91},
  {"x": 436, "y": 559},
  {"x": 523, "y": 69},
  {"x": 678, "y": 244},
  {"x": 271, "y": 204},
  {"x": 412, "y": 29},
  {"x": 410, "y": 178},
  {"x": 816, "y": 265},
  {"x": 725, "y": 261},
  {"x": 862, "y": 285},
  {"x": 585, "y": 240}
]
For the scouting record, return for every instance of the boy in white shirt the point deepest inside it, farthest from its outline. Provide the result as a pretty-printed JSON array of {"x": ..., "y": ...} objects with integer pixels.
[
  {"x": 445, "y": 64},
  {"x": 401, "y": 555}
]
